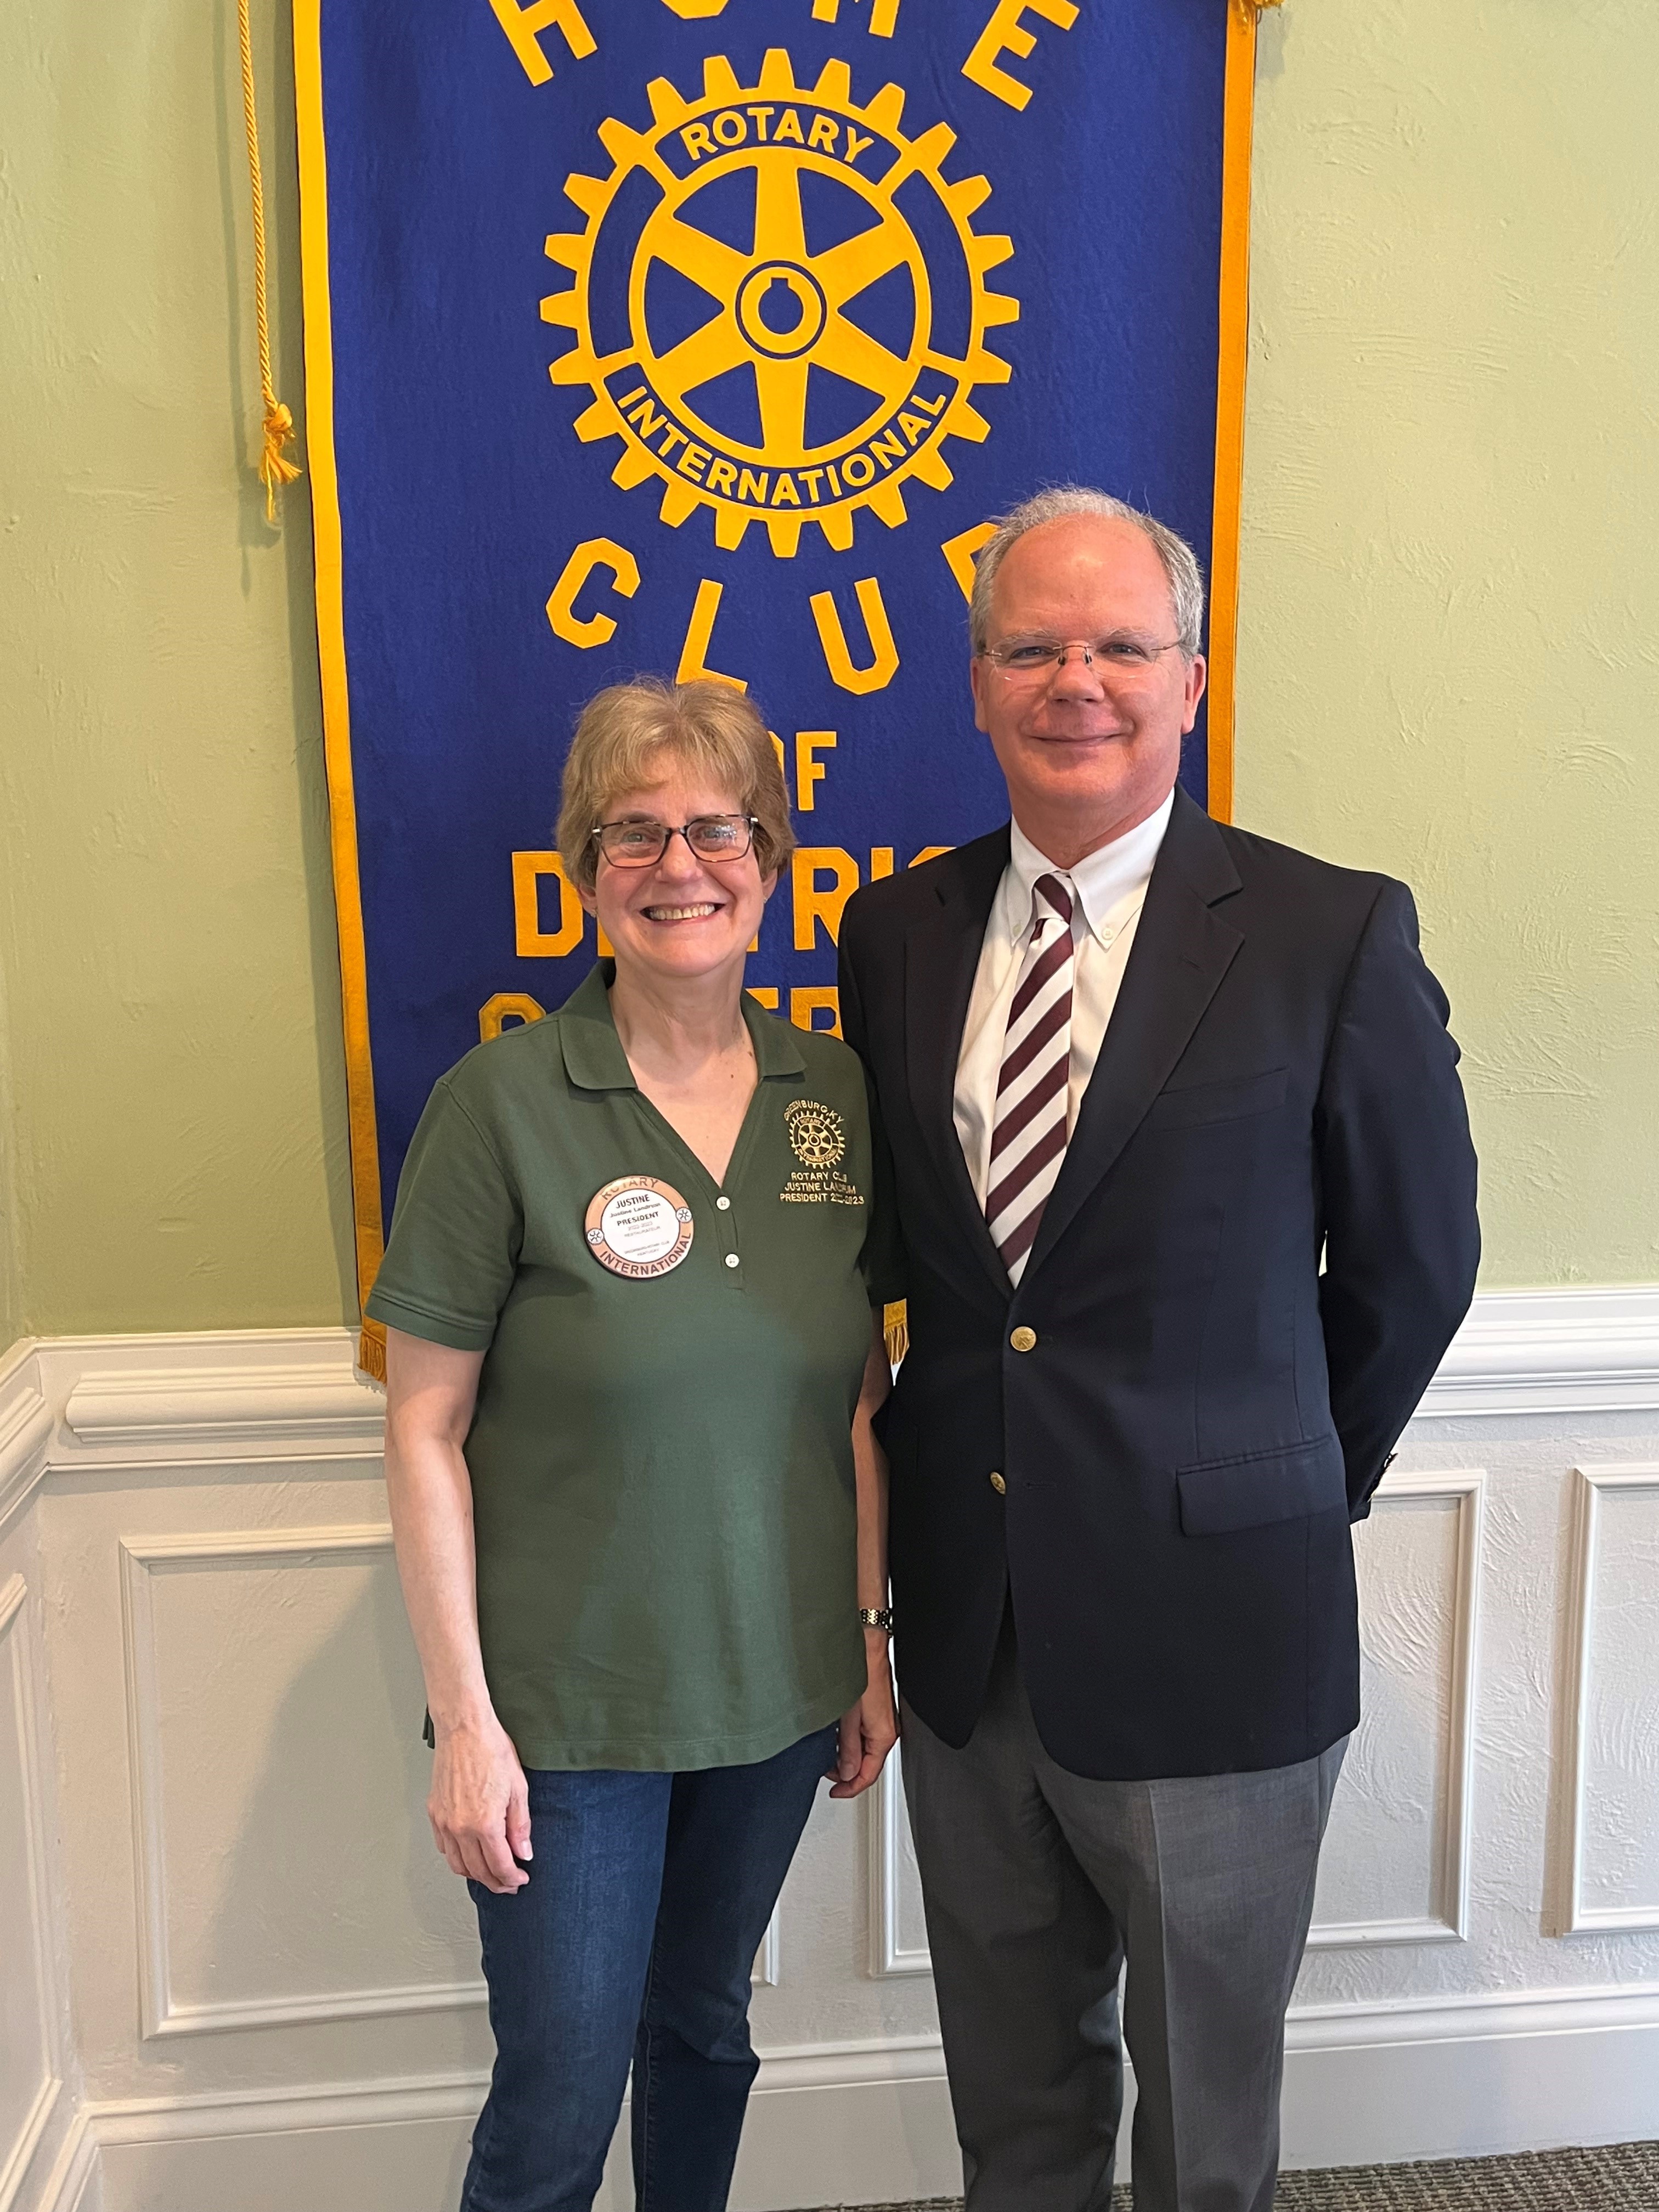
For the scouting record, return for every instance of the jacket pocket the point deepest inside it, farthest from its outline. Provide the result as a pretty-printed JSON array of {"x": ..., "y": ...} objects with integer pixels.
[
  {"x": 1259, "y": 1488},
  {"x": 1217, "y": 1101}
]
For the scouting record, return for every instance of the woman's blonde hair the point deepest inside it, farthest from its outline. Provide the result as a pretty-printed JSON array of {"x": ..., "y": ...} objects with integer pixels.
[{"x": 710, "y": 730}]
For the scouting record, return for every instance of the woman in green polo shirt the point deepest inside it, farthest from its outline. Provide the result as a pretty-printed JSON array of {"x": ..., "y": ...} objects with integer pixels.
[{"x": 639, "y": 1516}]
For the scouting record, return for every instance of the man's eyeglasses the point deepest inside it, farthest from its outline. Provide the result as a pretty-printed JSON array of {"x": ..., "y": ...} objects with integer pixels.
[
  {"x": 641, "y": 842},
  {"x": 1031, "y": 658}
]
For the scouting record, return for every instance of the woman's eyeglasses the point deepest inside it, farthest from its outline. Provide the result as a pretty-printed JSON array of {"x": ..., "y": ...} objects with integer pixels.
[{"x": 641, "y": 842}]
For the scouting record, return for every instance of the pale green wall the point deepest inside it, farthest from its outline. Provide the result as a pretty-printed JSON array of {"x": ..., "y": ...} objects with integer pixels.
[
  {"x": 1449, "y": 663},
  {"x": 1446, "y": 668},
  {"x": 168, "y": 925},
  {"x": 12, "y": 1322}
]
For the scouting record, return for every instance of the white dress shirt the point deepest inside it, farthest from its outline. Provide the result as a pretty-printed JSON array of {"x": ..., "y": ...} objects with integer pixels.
[{"x": 1110, "y": 888}]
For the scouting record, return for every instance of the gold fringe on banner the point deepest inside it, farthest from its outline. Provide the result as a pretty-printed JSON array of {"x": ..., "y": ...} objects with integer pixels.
[
  {"x": 895, "y": 1327},
  {"x": 275, "y": 467},
  {"x": 371, "y": 1350}
]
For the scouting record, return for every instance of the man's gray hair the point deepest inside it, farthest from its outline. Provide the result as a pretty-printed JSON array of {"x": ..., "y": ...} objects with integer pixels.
[{"x": 1179, "y": 561}]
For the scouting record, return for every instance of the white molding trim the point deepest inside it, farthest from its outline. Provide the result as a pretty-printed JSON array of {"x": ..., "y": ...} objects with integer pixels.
[
  {"x": 14, "y": 1642},
  {"x": 808, "y": 2066},
  {"x": 1587, "y": 1350},
  {"x": 1478, "y": 2014},
  {"x": 16, "y": 2169},
  {"x": 885, "y": 1832},
  {"x": 1391, "y": 2022},
  {"x": 768, "y": 1959},
  {"x": 1450, "y": 1923},
  {"x": 1572, "y": 1915},
  {"x": 140, "y": 1559},
  {"x": 26, "y": 1430},
  {"x": 266, "y": 1393},
  {"x": 195, "y": 2117},
  {"x": 66, "y": 2186},
  {"x": 230, "y": 1396}
]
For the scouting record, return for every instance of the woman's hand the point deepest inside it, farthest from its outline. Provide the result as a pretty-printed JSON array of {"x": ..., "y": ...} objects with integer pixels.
[
  {"x": 480, "y": 1806},
  {"x": 870, "y": 1728}
]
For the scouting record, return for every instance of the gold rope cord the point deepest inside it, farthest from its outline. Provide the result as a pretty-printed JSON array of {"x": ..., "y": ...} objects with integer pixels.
[{"x": 275, "y": 467}]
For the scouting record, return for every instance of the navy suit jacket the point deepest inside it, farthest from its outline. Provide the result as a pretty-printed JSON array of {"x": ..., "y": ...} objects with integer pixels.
[{"x": 1261, "y": 1240}]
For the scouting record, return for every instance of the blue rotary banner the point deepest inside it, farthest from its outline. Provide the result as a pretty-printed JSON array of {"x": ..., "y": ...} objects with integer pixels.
[{"x": 703, "y": 337}]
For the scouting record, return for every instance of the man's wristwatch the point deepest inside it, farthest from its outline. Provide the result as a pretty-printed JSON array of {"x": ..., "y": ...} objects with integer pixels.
[{"x": 874, "y": 1616}]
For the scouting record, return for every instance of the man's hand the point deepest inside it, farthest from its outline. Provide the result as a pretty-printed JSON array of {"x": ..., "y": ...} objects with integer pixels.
[
  {"x": 480, "y": 1806},
  {"x": 870, "y": 1729}
]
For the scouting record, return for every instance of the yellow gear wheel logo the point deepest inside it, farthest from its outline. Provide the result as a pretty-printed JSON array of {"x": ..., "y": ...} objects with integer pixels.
[
  {"x": 780, "y": 304},
  {"x": 817, "y": 1135}
]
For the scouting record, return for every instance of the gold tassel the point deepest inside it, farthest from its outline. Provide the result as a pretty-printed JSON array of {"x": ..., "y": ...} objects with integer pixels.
[
  {"x": 275, "y": 467},
  {"x": 895, "y": 1327},
  {"x": 371, "y": 1350}
]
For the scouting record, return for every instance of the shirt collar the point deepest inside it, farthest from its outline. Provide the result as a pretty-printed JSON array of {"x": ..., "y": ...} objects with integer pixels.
[
  {"x": 1110, "y": 884},
  {"x": 594, "y": 1056}
]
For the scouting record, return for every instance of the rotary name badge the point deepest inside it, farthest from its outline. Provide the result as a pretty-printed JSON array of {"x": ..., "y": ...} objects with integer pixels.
[{"x": 638, "y": 1227}]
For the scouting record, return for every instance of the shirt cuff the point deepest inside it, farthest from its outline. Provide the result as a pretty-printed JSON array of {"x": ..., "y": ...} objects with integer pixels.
[{"x": 436, "y": 1328}]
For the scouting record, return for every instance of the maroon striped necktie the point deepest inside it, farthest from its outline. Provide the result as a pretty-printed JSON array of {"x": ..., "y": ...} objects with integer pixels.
[{"x": 1028, "y": 1134}]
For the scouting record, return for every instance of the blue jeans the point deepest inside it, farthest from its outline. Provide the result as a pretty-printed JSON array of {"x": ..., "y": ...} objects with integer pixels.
[{"x": 632, "y": 1941}]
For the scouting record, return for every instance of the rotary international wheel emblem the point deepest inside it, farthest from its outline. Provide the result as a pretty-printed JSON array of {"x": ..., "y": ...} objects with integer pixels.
[
  {"x": 817, "y": 1135},
  {"x": 780, "y": 304}
]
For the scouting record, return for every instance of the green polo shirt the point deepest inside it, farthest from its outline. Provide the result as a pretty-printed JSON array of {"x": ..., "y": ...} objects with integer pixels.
[{"x": 661, "y": 1464}]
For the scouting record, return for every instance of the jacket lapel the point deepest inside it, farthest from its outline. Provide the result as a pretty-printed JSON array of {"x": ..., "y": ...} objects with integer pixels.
[
  {"x": 1182, "y": 949},
  {"x": 941, "y": 957}
]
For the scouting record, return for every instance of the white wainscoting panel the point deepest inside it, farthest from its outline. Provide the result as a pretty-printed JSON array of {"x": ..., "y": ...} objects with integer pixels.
[
  {"x": 1396, "y": 1864},
  {"x": 31, "y": 2080},
  {"x": 1609, "y": 1858},
  {"x": 898, "y": 1926},
  {"x": 276, "y": 1987},
  {"x": 272, "y": 1696}
]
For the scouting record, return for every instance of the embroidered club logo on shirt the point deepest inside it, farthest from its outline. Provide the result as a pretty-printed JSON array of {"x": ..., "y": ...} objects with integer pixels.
[
  {"x": 817, "y": 1138},
  {"x": 817, "y": 1134},
  {"x": 638, "y": 1226}
]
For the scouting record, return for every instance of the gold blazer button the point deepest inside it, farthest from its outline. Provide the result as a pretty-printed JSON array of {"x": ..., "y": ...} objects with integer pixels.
[
  {"x": 998, "y": 1484},
  {"x": 1024, "y": 1339}
]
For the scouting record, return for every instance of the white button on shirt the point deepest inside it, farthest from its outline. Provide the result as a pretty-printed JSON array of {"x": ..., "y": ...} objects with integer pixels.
[{"x": 1110, "y": 887}]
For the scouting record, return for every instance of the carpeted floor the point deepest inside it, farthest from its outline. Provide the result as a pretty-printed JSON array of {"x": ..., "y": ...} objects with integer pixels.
[{"x": 1617, "y": 2178}]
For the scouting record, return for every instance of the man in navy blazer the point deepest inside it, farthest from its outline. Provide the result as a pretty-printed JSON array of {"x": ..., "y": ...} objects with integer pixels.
[{"x": 1188, "y": 1205}]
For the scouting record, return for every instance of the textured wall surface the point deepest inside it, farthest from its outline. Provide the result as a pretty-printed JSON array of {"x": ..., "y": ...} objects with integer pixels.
[
  {"x": 1448, "y": 667},
  {"x": 166, "y": 923},
  {"x": 1444, "y": 668}
]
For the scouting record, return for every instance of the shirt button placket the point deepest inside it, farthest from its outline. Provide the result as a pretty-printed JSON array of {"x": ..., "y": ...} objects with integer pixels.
[{"x": 728, "y": 1229}]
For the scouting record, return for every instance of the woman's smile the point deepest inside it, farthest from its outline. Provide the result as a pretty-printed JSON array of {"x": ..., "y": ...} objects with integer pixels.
[{"x": 699, "y": 912}]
